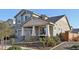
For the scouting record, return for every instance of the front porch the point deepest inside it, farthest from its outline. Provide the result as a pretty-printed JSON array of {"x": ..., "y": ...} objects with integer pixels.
[
  {"x": 35, "y": 32},
  {"x": 37, "y": 28}
]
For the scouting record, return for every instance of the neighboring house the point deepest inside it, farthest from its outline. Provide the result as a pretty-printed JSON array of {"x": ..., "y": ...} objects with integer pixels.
[
  {"x": 76, "y": 30},
  {"x": 11, "y": 22},
  {"x": 29, "y": 24},
  {"x": 1, "y": 21}
]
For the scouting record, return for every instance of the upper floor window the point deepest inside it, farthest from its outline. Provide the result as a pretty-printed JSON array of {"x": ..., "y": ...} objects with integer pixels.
[
  {"x": 26, "y": 17},
  {"x": 22, "y": 18},
  {"x": 18, "y": 21}
]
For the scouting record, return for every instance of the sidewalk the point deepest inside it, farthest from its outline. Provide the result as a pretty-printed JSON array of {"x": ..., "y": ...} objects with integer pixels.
[{"x": 23, "y": 48}]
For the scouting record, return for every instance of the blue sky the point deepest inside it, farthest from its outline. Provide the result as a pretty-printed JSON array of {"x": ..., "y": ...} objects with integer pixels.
[{"x": 72, "y": 14}]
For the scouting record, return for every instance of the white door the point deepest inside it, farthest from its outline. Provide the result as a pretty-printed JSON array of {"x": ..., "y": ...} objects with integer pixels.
[{"x": 27, "y": 33}]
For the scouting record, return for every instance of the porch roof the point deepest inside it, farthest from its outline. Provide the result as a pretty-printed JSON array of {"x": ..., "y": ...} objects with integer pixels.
[{"x": 36, "y": 22}]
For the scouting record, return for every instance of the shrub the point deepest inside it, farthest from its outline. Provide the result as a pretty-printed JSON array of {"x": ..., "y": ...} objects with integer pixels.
[
  {"x": 50, "y": 41},
  {"x": 14, "y": 48},
  {"x": 43, "y": 42},
  {"x": 57, "y": 39}
]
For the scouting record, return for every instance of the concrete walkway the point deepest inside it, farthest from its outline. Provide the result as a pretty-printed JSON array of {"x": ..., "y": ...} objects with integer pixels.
[{"x": 63, "y": 45}]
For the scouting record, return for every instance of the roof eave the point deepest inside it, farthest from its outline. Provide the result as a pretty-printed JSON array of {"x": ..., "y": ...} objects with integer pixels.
[{"x": 68, "y": 22}]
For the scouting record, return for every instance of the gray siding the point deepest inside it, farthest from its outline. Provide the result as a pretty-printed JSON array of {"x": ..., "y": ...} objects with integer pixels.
[{"x": 19, "y": 20}]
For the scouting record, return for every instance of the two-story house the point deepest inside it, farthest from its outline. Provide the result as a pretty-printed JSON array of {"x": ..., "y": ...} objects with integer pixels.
[{"x": 29, "y": 24}]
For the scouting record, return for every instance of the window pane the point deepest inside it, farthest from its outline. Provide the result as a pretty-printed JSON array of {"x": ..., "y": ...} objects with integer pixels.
[
  {"x": 25, "y": 17},
  {"x": 42, "y": 30}
]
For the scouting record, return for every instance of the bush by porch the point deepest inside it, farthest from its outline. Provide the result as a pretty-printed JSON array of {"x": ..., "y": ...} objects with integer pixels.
[{"x": 41, "y": 43}]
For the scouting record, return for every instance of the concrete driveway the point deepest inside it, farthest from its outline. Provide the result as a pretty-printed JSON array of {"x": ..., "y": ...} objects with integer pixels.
[{"x": 63, "y": 45}]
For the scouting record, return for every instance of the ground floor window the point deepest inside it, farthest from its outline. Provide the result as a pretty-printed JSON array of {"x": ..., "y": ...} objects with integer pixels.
[{"x": 42, "y": 30}]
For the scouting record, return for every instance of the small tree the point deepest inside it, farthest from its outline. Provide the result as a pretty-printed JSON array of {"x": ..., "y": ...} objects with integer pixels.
[{"x": 5, "y": 31}]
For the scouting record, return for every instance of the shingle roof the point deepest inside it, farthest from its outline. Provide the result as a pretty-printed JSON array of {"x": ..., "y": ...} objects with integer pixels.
[
  {"x": 75, "y": 30},
  {"x": 56, "y": 18}
]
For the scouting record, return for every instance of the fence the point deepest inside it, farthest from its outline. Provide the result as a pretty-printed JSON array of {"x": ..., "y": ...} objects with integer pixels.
[{"x": 69, "y": 36}]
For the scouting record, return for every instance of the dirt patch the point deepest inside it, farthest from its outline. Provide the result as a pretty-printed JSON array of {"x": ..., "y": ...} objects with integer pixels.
[{"x": 34, "y": 46}]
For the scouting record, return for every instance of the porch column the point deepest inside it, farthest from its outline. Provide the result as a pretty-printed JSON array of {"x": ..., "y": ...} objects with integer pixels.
[
  {"x": 33, "y": 31},
  {"x": 47, "y": 31},
  {"x": 38, "y": 31},
  {"x": 22, "y": 31}
]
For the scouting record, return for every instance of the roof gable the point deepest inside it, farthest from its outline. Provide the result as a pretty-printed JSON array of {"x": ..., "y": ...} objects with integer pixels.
[
  {"x": 57, "y": 18},
  {"x": 22, "y": 11},
  {"x": 35, "y": 21}
]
